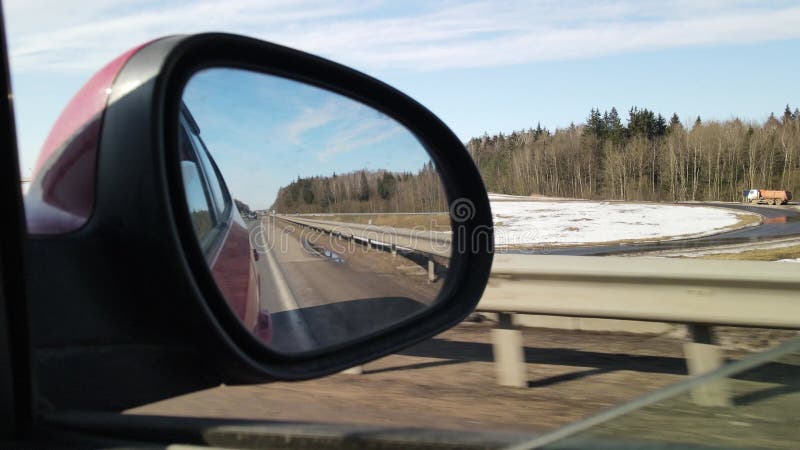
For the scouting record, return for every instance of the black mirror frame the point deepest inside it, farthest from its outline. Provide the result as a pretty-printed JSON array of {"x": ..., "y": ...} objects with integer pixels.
[{"x": 147, "y": 97}]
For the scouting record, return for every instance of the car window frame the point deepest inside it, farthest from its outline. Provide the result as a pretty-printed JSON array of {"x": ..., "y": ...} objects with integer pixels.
[
  {"x": 212, "y": 241},
  {"x": 193, "y": 158},
  {"x": 206, "y": 162}
]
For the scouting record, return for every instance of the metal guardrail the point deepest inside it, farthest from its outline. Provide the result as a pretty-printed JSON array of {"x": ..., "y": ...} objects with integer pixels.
[
  {"x": 434, "y": 243},
  {"x": 710, "y": 292},
  {"x": 700, "y": 293}
]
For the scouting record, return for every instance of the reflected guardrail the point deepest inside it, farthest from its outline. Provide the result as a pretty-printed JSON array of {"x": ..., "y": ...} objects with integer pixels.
[{"x": 435, "y": 243}]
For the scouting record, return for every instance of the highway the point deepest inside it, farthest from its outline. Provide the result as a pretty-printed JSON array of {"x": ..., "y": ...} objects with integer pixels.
[
  {"x": 778, "y": 222},
  {"x": 322, "y": 290}
]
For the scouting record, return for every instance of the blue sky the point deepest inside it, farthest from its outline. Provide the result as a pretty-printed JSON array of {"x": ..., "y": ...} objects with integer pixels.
[
  {"x": 482, "y": 66},
  {"x": 265, "y": 131}
]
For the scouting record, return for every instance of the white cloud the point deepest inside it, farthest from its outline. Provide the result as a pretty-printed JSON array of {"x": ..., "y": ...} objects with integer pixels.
[
  {"x": 365, "y": 134},
  {"x": 310, "y": 119},
  {"x": 53, "y": 36},
  {"x": 93, "y": 34}
]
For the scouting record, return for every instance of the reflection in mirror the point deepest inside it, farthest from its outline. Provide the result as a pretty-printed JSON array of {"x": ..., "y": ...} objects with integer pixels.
[{"x": 322, "y": 219}]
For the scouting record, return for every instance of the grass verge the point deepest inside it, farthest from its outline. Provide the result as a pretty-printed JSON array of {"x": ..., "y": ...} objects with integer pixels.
[
  {"x": 435, "y": 222},
  {"x": 768, "y": 254}
]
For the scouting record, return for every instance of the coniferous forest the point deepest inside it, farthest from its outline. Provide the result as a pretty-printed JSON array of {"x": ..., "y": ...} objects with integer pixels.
[
  {"x": 364, "y": 191},
  {"x": 644, "y": 156}
]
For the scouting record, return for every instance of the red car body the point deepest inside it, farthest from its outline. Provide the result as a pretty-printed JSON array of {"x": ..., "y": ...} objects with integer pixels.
[{"x": 61, "y": 196}]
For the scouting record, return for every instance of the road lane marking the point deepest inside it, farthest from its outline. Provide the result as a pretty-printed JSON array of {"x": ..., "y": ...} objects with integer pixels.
[{"x": 297, "y": 323}]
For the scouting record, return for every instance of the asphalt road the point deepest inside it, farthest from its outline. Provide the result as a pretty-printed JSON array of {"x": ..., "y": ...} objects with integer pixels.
[
  {"x": 322, "y": 291},
  {"x": 780, "y": 221}
]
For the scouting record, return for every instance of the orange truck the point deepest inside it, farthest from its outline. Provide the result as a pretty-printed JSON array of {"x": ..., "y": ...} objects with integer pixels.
[{"x": 764, "y": 196}]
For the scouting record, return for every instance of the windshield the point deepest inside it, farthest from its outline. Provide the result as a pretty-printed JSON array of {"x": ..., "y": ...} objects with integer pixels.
[
  {"x": 764, "y": 411},
  {"x": 642, "y": 164}
]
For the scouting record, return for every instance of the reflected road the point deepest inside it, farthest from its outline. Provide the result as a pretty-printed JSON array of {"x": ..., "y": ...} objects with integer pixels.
[{"x": 322, "y": 291}]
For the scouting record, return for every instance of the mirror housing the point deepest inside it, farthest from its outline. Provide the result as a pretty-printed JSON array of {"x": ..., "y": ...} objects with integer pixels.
[{"x": 126, "y": 285}]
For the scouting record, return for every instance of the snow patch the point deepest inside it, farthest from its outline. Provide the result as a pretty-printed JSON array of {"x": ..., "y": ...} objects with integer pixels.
[{"x": 535, "y": 223}]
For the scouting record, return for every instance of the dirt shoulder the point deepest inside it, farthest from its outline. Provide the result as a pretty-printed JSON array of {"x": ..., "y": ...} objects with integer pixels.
[
  {"x": 769, "y": 254},
  {"x": 448, "y": 382}
]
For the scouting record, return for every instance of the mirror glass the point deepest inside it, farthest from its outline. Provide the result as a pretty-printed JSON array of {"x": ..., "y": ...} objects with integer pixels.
[{"x": 322, "y": 219}]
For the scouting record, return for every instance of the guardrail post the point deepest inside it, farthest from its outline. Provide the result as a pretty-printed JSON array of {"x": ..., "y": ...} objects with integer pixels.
[
  {"x": 431, "y": 271},
  {"x": 509, "y": 355},
  {"x": 394, "y": 250},
  {"x": 703, "y": 356}
]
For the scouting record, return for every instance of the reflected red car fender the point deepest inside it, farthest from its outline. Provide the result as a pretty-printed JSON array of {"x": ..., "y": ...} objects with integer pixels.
[{"x": 236, "y": 275}]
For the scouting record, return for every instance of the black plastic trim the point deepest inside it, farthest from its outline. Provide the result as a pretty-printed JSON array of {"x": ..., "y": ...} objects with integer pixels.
[{"x": 16, "y": 392}]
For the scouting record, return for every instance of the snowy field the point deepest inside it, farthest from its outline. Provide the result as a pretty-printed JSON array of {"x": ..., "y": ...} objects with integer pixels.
[{"x": 553, "y": 223}]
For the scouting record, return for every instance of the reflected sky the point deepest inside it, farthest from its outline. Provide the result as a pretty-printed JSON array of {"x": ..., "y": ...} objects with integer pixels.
[{"x": 265, "y": 131}]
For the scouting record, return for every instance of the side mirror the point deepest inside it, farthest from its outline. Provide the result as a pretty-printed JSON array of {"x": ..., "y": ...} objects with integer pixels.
[
  {"x": 132, "y": 216},
  {"x": 371, "y": 247}
]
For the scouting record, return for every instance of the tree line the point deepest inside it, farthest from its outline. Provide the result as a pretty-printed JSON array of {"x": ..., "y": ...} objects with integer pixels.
[
  {"x": 647, "y": 158},
  {"x": 364, "y": 191}
]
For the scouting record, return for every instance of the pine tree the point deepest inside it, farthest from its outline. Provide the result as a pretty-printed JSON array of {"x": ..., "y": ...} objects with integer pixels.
[
  {"x": 638, "y": 124},
  {"x": 595, "y": 125},
  {"x": 387, "y": 185},
  {"x": 660, "y": 126},
  {"x": 675, "y": 122},
  {"x": 614, "y": 127},
  {"x": 363, "y": 194}
]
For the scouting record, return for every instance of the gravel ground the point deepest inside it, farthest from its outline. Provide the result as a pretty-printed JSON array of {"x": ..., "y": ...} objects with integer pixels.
[{"x": 448, "y": 382}]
